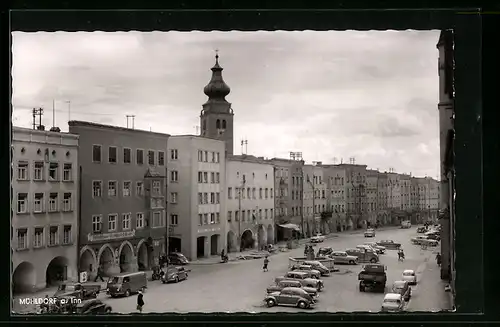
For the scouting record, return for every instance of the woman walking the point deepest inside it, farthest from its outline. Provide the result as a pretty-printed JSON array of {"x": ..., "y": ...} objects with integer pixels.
[{"x": 140, "y": 301}]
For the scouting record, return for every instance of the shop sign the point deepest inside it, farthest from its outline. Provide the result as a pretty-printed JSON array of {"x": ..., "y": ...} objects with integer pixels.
[
  {"x": 110, "y": 236},
  {"x": 208, "y": 230}
]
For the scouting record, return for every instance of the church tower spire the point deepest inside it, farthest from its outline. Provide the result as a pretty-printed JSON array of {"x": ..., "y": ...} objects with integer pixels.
[{"x": 217, "y": 115}]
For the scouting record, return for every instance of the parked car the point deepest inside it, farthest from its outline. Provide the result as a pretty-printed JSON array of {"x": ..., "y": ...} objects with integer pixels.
[
  {"x": 317, "y": 265},
  {"x": 78, "y": 290},
  {"x": 424, "y": 240},
  {"x": 369, "y": 233},
  {"x": 303, "y": 277},
  {"x": 378, "y": 248},
  {"x": 318, "y": 238},
  {"x": 421, "y": 229},
  {"x": 290, "y": 296},
  {"x": 402, "y": 287},
  {"x": 389, "y": 244},
  {"x": 174, "y": 274},
  {"x": 314, "y": 273},
  {"x": 410, "y": 276},
  {"x": 363, "y": 255},
  {"x": 177, "y": 259},
  {"x": 127, "y": 284},
  {"x": 93, "y": 306},
  {"x": 368, "y": 248},
  {"x": 393, "y": 303},
  {"x": 323, "y": 252},
  {"x": 406, "y": 224},
  {"x": 292, "y": 283},
  {"x": 343, "y": 258},
  {"x": 433, "y": 235}
]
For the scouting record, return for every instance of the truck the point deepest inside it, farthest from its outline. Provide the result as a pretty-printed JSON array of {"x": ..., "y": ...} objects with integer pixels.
[
  {"x": 373, "y": 277},
  {"x": 328, "y": 263},
  {"x": 78, "y": 290}
]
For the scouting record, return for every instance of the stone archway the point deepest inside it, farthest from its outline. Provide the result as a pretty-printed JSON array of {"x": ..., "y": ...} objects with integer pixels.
[
  {"x": 270, "y": 234},
  {"x": 261, "y": 237},
  {"x": 247, "y": 241},
  {"x": 200, "y": 246},
  {"x": 23, "y": 278},
  {"x": 88, "y": 259},
  {"x": 126, "y": 255},
  {"x": 106, "y": 259},
  {"x": 214, "y": 244},
  {"x": 144, "y": 255},
  {"x": 57, "y": 271},
  {"x": 231, "y": 241}
]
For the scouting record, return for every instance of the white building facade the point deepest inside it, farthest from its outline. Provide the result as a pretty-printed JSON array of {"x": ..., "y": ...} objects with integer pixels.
[
  {"x": 45, "y": 208},
  {"x": 250, "y": 202}
]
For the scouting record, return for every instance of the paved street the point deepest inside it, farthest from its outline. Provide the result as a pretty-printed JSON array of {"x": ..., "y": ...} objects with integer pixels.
[{"x": 239, "y": 286}]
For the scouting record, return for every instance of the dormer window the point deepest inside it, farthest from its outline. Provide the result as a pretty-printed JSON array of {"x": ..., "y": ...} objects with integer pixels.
[{"x": 217, "y": 124}]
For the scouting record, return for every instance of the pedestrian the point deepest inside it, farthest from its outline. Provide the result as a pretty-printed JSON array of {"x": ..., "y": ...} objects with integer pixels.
[
  {"x": 140, "y": 301},
  {"x": 438, "y": 259},
  {"x": 266, "y": 262},
  {"x": 99, "y": 274}
]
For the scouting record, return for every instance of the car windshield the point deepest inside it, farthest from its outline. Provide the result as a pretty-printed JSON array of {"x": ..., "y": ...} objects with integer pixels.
[
  {"x": 391, "y": 301},
  {"x": 115, "y": 280},
  {"x": 408, "y": 273}
]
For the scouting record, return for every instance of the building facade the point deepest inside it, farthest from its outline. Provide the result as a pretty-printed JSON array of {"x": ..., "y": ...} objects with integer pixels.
[
  {"x": 123, "y": 187},
  {"x": 336, "y": 197},
  {"x": 372, "y": 196},
  {"x": 356, "y": 195},
  {"x": 197, "y": 205},
  {"x": 44, "y": 224},
  {"x": 315, "y": 208},
  {"x": 383, "y": 217},
  {"x": 250, "y": 202}
]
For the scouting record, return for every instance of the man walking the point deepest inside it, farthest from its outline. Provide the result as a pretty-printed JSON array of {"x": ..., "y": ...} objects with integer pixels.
[
  {"x": 140, "y": 301},
  {"x": 266, "y": 262},
  {"x": 99, "y": 274}
]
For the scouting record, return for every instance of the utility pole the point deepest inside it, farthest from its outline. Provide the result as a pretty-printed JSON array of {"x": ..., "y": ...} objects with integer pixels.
[{"x": 69, "y": 109}]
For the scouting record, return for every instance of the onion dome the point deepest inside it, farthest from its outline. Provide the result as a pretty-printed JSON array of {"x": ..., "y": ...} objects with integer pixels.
[{"x": 216, "y": 89}]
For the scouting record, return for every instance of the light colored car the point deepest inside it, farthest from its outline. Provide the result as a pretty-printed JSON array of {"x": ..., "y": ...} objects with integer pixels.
[
  {"x": 291, "y": 283},
  {"x": 303, "y": 277},
  {"x": 393, "y": 303},
  {"x": 342, "y": 257},
  {"x": 369, "y": 233},
  {"x": 424, "y": 240},
  {"x": 308, "y": 268},
  {"x": 410, "y": 276},
  {"x": 290, "y": 296},
  {"x": 378, "y": 248},
  {"x": 368, "y": 248},
  {"x": 318, "y": 238}
]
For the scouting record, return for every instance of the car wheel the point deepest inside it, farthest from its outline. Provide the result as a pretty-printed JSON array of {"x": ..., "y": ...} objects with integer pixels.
[
  {"x": 176, "y": 279},
  {"x": 270, "y": 303},
  {"x": 186, "y": 276},
  {"x": 361, "y": 288},
  {"x": 127, "y": 293},
  {"x": 302, "y": 304},
  {"x": 108, "y": 310},
  {"x": 143, "y": 289},
  {"x": 163, "y": 281},
  {"x": 352, "y": 262},
  {"x": 373, "y": 260}
]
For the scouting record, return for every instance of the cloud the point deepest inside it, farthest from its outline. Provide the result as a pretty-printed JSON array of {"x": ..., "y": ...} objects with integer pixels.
[{"x": 372, "y": 95}]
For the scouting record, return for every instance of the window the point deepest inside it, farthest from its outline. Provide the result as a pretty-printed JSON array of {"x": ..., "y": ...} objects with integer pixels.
[
  {"x": 38, "y": 171},
  {"x": 271, "y": 193},
  {"x": 38, "y": 237},
  {"x": 96, "y": 153},
  {"x": 229, "y": 216},
  {"x": 217, "y": 178},
  {"x": 217, "y": 157},
  {"x": 161, "y": 158},
  {"x": 112, "y": 188},
  {"x": 253, "y": 193},
  {"x": 236, "y": 216},
  {"x": 174, "y": 220},
  {"x": 212, "y": 177},
  {"x": 139, "y": 156},
  {"x": 173, "y": 197},
  {"x": 243, "y": 215},
  {"x": 200, "y": 155},
  {"x": 241, "y": 193},
  {"x": 266, "y": 213},
  {"x": 260, "y": 214},
  {"x": 217, "y": 218},
  {"x": 53, "y": 202},
  {"x": 38, "y": 203},
  {"x": 67, "y": 239},
  {"x": 139, "y": 188},
  {"x": 96, "y": 223},
  {"x": 205, "y": 219},
  {"x": 173, "y": 154},
  {"x": 112, "y": 222},
  {"x": 271, "y": 214},
  {"x": 67, "y": 172},
  {"x": 200, "y": 219},
  {"x": 126, "y": 221},
  {"x": 229, "y": 192},
  {"x": 266, "y": 193},
  {"x": 96, "y": 189},
  {"x": 53, "y": 171},
  {"x": 260, "y": 193},
  {"x": 112, "y": 154},
  {"x": 249, "y": 194},
  {"x": 174, "y": 176},
  {"x": 157, "y": 219},
  {"x": 156, "y": 188},
  {"x": 53, "y": 235},
  {"x": 217, "y": 197},
  {"x": 200, "y": 177},
  {"x": 127, "y": 155},
  {"x": 205, "y": 198},
  {"x": 22, "y": 239},
  {"x": 139, "y": 220},
  {"x": 205, "y": 156},
  {"x": 67, "y": 202},
  {"x": 200, "y": 198},
  {"x": 127, "y": 185},
  {"x": 212, "y": 218},
  {"x": 212, "y": 197},
  {"x": 205, "y": 177},
  {"x": 151, "y": 158}
]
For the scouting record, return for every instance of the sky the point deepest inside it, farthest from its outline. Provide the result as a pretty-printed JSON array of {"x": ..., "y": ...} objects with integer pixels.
[{"x": 331, "y": 95}]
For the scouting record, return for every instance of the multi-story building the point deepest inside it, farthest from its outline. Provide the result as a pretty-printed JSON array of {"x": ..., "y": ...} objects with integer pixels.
[
  {"x": 123, "y": 186},
  {"x": 394, "y": 197},
  {"x": 405, "y": 190},
  {"x": 372, "y": 196},
  {"x": 336, "y": 198},
  {"x": 44, "y": 224},
  {"x": 250, "y": 202},
  {"x": 355, "y": 188},
  {"x": 197, "y": 206},
  {"x": 314, "y": 202},
  {"x": 383, "y": 217}
]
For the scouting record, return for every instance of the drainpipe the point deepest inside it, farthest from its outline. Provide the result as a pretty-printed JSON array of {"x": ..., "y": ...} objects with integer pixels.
[{"x": 79, "y": 222}]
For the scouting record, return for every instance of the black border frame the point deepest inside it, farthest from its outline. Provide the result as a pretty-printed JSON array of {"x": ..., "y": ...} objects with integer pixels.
[{"x": 470, "y": 298}]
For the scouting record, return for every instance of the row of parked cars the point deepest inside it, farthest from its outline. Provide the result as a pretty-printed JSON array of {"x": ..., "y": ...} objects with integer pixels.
[{"x": 430, "y": 237}]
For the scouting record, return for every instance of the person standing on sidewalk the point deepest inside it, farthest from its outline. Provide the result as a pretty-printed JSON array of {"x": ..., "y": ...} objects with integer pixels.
[
  {"x": 266, "y": 262},
  {"x": 140, "y": 301},
  {"x": 99, "y": 274}
]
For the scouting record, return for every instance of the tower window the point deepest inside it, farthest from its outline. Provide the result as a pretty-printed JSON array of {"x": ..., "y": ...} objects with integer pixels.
[
  {"x": 217, "y": 124},
  {"x": 224, "y": 124}
]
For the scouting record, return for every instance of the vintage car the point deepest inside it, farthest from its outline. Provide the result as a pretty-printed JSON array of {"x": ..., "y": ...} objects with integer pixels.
[
  {"x": 319, "y": 266},
  {"x": 402, "y": 287},
  {"x": 410, "y": 276},
  {"x": 292, "y": 283},
  {"x": 433, "y": 235},
  {"x": 177, "y": 259},
  {"x": 366, "y": 247},
  {"x": 314, "y": 273},
  {"x": 342, "y": 257},
  {"x": 421, "y": 229},
  {"x": 93, "y": 306},
  {"x": 423, "y": 240},
  {"x": 406, "y": 224},
  {"x": 379, "y": 249},
  {"x": 81, "y": 291},
  {"x": 393, "y": 303},
  {"x": 174, "y": 274},
  {"x": 318, "y": 238},
  {"x": 303, "y": 277},
  {"x": 290, "y": 296},
  {"x": 389, "y": 244},
  {"x": 369, "y": 233},
  {"x": 363, "y": 255},
  {"x": 323, "y": 252}
]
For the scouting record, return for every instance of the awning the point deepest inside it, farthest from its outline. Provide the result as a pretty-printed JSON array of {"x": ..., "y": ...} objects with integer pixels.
[{"x": 290, "y": 226}]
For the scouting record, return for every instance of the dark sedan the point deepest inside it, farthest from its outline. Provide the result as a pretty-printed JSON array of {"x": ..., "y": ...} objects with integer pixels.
[
  {"x": 177, "y": 259},
  {"x": 389, "y": 244},
  {"x": 91, "y": 307},
  {"x": 290, "y": 296}
]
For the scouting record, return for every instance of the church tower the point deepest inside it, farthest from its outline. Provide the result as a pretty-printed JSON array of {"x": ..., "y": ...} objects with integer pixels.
[{"x": 217, "y": 115}]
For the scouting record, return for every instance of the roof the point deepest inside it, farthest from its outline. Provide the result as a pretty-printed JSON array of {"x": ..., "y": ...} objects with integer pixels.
[
  {"x": 79, "y": 123},
  {"x": 399, "y": 282},
  {"x": 409, "y": 271},
  {"x": 392, "y": 296}
]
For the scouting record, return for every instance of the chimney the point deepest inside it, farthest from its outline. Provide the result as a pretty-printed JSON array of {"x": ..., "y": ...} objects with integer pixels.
[
  {"x": 40, "y": 127},
  {"x": 55, "y": 129}
]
